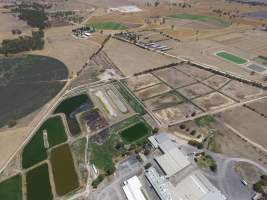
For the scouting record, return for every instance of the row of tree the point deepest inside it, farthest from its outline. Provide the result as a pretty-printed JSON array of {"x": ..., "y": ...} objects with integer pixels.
[{"x": 23, "y": 43}]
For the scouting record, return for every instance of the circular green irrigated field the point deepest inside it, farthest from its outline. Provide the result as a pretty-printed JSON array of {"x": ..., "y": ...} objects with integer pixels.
[
  {"x": 26, "y": 83},
  {"x": 108, "y": 26}
]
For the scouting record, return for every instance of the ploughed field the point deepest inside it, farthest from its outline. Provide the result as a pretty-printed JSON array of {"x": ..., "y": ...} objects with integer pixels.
[{"x": 26, "y": 83}]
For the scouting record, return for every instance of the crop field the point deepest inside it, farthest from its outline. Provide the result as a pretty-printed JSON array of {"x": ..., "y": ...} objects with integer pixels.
[
  {"x": 108, "y": 26},
  {"x": 163, "y": 101},
  {"x": 135, "y": 133},
  {"x": 152, "y": 91},
  {"x": 35, "y": 150},
  {"x": 175, "y": 113},
  {"x": 27, "y": 77},
  {"x": 174, "y": 77},
  {"x": 70, "y": 107},
  {"x": 202, "y": 18},
  {"x": 241, "y": 91},
  {"x": 195, "y": 90},
  {"x": 213, "y": 101},
  {"x": 140, "y": 82},
  {"x": 38, "y": 184},
  {"x": 65, "y": 176},
  {"x": 10, "y": 189},
  {"x": 231, "y": 57},
  {"x": 199, "y": 74},
  {"x": 216, "y": 81}
]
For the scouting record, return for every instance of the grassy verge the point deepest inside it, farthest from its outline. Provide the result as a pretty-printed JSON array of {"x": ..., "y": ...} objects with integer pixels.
[
  {"x": 206, "y": 161},
  {"x": 136, "y": 106},
  {"x": 205, "y": 120}
]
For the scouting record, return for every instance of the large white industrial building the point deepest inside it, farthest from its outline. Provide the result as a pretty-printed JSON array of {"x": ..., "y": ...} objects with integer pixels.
[
  {"x": 173, "y": 160},
  {"x": 132, "y": 189}
]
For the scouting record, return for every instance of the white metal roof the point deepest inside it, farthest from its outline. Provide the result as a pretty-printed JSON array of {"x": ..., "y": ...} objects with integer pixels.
[
  {"x": 132, "y": 189},
  {"x": 173, "y": 160}
]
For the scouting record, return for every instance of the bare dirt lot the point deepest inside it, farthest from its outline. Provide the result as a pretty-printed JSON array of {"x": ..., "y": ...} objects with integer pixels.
[
  {"x": 60, "y": 44},
  {"x": 229, "y": 143},
  {"x": 131, "y": 59},
  {"x": 241, "y": 91},
  {"x": 248, "y": 123},
  {"x": 216, "y": 81},
  {"x": 142, "y": 81},
  {"x": 259, "y": 106},
  {"x": 174, "y": 78},
  {"x": 199, "y": 74},
  {"x": 152, "y": 91},
  {"x": 195, "y": 90},
  {"x": 163, "y": 101},
  {"x": 213, "y": 101},
  {"x": 175, "y": 113}
]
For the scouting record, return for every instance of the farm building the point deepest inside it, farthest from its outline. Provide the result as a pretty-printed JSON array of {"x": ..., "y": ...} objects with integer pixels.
[
  {"x": 132, "y": 189},
  {"x": 173, "y": 160}
]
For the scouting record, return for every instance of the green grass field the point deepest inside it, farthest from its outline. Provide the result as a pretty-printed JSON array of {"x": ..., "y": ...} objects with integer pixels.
[
  {"x": 35, "y": 151},
  {"x": 232, "y": 58},
  {"x": 135, "y": 133},
  {"x": 10, "y": 189},
  {"x": 102, "y": 155},
  {"x": 202, "y": 18},
  {"x": 38, "y": 184},
  {"x": 108, "y": 26},
  {"x": 65, "y": 176}
]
